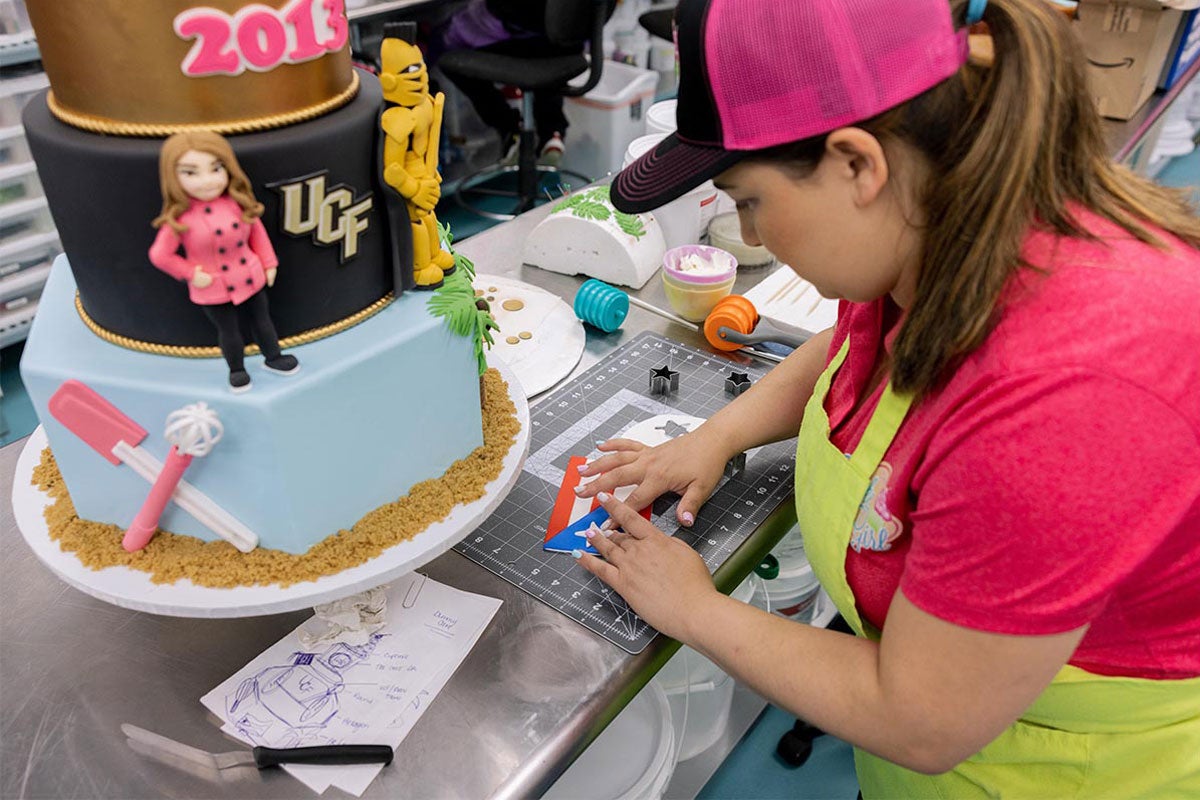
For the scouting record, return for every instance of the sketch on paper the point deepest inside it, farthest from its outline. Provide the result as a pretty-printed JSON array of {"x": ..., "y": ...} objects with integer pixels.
[{"x": 289, "y": 703}]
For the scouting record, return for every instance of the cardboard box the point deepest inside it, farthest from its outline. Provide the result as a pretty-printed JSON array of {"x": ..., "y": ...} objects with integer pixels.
[{"x": 1126, "y": 43}]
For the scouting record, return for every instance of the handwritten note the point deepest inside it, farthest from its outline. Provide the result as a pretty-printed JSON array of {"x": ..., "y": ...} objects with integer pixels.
[{"x": 355, "y": 692}]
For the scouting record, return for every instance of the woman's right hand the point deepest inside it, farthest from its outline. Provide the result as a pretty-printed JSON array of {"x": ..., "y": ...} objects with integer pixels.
[
  {"x": 200, "y": 278},
  {"x": 690, "y": 465}
]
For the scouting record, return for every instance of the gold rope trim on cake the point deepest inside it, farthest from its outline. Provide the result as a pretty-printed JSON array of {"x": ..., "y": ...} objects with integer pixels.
[
  {"x": 183, "y": 351},
  {"x": 102, "y": 125}
]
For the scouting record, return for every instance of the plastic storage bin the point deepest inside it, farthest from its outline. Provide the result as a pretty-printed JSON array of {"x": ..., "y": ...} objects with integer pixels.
[
  {"x": 13, "y": 147},
  {"x": 19, "y": 182},
  {"x": 604, "y": 121},
  {"x": 24, "y": 218},
  {"x": 15, "y": 93}
]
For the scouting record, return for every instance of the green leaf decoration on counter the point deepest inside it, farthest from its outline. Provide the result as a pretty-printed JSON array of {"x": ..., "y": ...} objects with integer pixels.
[{"x": 595, "y": 204}]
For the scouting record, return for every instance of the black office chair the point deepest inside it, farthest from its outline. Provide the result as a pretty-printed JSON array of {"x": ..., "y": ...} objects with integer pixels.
[
  {"x": 569, "y": 25},
  {"x": 659, "y": 22}
]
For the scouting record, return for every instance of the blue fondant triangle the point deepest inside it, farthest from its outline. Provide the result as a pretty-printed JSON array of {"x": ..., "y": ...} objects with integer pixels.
[{"x": 572, "y": 538}]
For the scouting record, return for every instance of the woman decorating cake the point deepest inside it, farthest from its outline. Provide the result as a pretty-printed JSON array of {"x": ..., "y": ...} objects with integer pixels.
[
  {"x": 998, "y": 461},
  {"x": 209, "y": 211}
]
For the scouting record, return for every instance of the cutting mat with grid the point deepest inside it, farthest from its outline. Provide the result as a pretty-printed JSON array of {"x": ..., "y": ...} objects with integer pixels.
[{"x": 603, "y": 403}]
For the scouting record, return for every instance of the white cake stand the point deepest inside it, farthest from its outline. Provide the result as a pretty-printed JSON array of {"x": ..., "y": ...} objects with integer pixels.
[{"x": 131, "y": 588}]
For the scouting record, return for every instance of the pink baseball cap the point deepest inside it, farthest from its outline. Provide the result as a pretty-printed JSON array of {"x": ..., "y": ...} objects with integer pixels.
[{"x": 758, "y": 73}]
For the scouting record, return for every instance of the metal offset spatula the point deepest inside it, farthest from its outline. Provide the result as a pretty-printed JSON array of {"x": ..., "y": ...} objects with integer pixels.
[{"x": 263, "y": 757}]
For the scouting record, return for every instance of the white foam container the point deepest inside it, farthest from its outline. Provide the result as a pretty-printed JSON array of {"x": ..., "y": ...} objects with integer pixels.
[
  {"x": 632, "y": 759},
  {"x": 684, "y": 220},
  {"x": 605, "y": 120},
  {"x": 700, "y": 693}
]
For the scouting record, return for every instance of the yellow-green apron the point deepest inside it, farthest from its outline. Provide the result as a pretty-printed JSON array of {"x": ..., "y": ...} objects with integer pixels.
[{"x": 1086, "y": 736}]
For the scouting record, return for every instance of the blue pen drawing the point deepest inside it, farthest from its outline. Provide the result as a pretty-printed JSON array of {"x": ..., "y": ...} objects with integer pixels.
[
  {"x": 290, "y": 702},
  {"x": 360, "y": 687}
]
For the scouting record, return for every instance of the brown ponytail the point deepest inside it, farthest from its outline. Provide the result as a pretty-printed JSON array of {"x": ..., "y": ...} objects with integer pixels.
[{"x": 1009, "y": 145}]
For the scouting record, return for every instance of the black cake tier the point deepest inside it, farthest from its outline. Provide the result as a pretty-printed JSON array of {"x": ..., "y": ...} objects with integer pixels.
[{"x": 104, "y": 192}]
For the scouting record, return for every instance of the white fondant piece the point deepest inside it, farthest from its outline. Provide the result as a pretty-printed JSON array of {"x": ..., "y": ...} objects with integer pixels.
[
  {"x": 556, "y": 337},
  {"x": 129, "y": 588},
  {"x": 662, "y": 428},
  {"x": 573, "y": 245}
]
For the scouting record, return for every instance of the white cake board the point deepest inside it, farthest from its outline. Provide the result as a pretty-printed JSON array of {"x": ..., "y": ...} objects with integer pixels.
[
  {"x": 131, "y": 588},
  {"x": 558, "y": 337}
]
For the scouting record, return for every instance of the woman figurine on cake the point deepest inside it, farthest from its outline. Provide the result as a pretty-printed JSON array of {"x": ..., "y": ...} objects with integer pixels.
[{"x": 210, "y": 215}]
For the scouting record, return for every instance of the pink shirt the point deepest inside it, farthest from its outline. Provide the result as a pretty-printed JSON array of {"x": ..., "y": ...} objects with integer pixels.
[
  {"x": 233, "y": 252},
  {"x": 1054, "y": 480}
]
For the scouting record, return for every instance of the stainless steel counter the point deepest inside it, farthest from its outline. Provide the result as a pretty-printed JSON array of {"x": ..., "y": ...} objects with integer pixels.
[{"x": 536, "y": 689}]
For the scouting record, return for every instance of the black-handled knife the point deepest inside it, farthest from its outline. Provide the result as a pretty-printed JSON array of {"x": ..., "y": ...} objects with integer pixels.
[
  {"x": 263, "y": 757},
  {"x": 324, "y": 754}
]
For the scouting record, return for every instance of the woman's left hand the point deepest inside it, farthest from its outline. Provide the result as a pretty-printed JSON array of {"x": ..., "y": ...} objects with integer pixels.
[
  {"x": 662, "y": 578},
  {"x": 271, "y": 276}
]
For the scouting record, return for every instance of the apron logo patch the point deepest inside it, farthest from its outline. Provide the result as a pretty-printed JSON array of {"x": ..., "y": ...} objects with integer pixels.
[{"x": 874, "y": 526}]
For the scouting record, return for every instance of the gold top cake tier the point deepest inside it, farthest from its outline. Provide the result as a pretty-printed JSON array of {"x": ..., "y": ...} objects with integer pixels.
[{"x": 153, "y": 67}]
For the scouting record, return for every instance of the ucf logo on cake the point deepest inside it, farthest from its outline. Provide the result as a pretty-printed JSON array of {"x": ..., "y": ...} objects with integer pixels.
[{"x": 333, "y": 216}]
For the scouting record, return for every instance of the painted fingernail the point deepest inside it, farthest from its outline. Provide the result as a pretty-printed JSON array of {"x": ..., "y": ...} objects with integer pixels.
[
  {"x": 590, "y": 532},
  {"x": 578, "y": 490},
  {"x": 576, "y": 554},
  {"x": 582, "y": 468},
  {"x": 687, "y": 517},
  {"x": 604, "y": 497}
]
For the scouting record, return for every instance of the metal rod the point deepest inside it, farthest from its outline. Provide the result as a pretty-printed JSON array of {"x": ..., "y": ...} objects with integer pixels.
[
  {"x": 665, "y": 314},
  {"x": 750, "y": 351},
  {"x": 765, "y": 356}
]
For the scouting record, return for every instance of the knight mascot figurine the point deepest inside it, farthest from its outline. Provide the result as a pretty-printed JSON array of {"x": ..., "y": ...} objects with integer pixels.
[{"x": 412, "y": 123}]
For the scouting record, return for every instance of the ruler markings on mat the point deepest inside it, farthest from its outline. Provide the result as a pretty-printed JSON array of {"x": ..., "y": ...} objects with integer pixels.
[{"x": 602, "y": 403}]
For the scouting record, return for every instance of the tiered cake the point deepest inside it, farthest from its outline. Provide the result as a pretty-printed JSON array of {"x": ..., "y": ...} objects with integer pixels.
[{"x": 387, "y": 394}]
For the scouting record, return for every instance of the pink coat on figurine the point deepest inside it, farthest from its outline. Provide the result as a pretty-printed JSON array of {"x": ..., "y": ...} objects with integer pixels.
[
  {"x": 233, "y": 252},
  {"x": 210, "y": 235}
]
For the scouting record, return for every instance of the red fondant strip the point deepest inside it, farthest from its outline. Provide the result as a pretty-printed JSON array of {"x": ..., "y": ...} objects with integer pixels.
[
  {"x": 568, "y": 507},
  {"x": 564, "y": 504}
]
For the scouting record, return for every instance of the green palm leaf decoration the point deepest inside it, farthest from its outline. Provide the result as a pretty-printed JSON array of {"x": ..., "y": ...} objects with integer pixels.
[
  {"x": 485, "y": 323},
  {"x": 455, "y": 301}
]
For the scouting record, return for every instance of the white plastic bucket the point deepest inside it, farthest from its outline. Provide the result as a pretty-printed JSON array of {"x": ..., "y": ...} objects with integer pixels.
[
  {"x": 793, "y": 593},
  {"x": 633, "y": 758},
  {"x": 702, "y": 711},
  {"x": 790, "y": 549},
  {"x": 700, "y": 693},
  {"x": 663, "y": 61},
  {"x": 660, "y": 118},
  {"x": 605, "y": 120},
  {"x": 683, "y": 220}
]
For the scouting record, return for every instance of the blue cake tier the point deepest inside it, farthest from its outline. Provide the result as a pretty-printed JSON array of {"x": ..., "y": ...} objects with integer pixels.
[{"x": 373, "y": 411}]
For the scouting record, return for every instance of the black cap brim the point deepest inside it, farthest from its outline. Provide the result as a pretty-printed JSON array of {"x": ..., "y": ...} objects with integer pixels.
[{"x": 669, "y": 171}]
